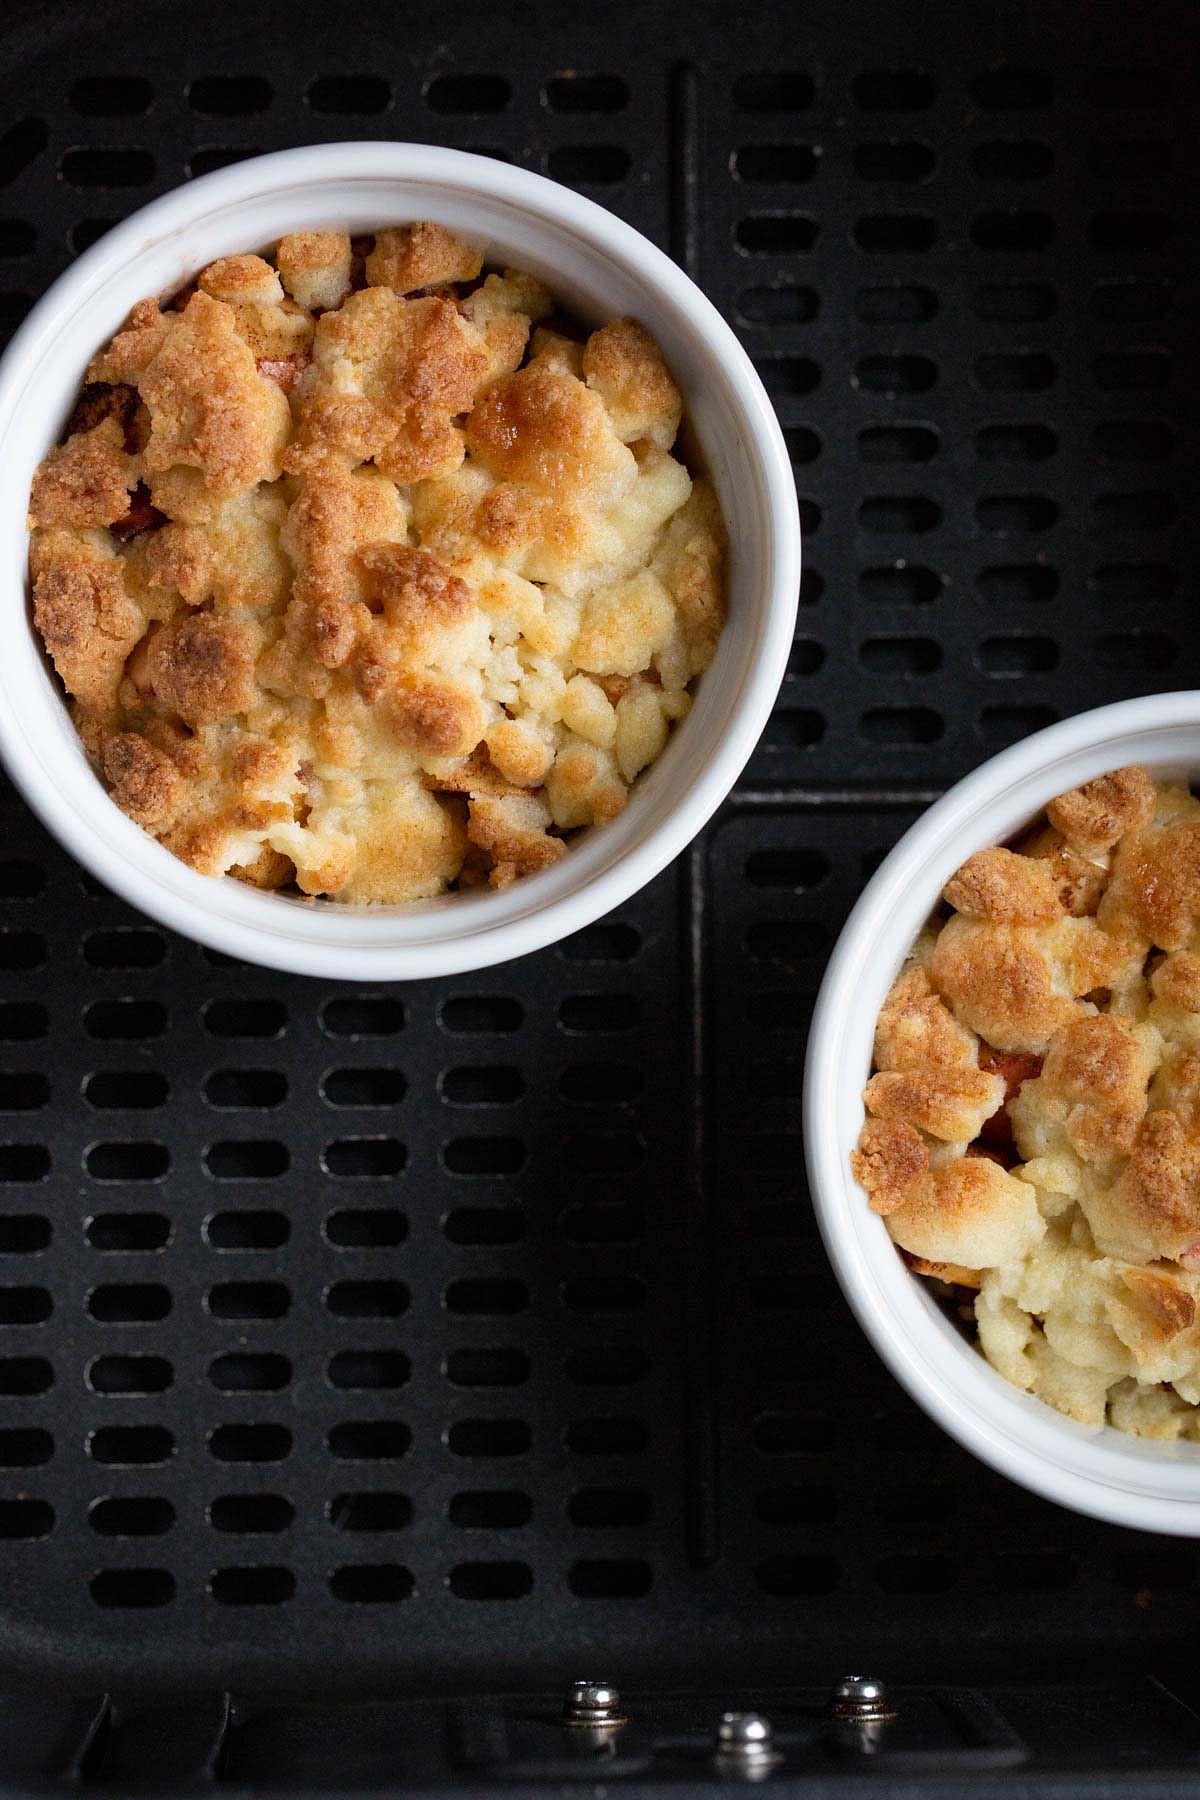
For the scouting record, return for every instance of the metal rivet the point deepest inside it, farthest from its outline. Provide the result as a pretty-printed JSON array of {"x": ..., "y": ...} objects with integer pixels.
[
  {"x": 861, "y": 1697},
  {"x": 745, "y": 1744},
  {"x": 592, "y": 1703}
]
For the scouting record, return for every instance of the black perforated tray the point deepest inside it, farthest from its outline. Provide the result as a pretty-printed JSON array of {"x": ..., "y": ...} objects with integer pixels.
[{"x": 467, "y": 1335}]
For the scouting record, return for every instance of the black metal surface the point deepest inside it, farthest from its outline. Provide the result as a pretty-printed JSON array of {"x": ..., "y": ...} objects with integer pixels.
[{"x": 477, "y": 1334}]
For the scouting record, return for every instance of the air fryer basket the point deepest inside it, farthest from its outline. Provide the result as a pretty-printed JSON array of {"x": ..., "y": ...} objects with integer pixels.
[{"x": 461, "y": 1339}]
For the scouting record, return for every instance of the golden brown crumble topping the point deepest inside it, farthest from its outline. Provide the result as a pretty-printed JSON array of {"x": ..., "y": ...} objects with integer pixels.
[
  {"x": 1033, "y": 1124},
  {"x": 362, "y": 578}
]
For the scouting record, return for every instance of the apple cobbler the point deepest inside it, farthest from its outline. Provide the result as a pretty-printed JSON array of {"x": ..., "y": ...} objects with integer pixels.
[
  {"x": 1033, "y": 1125},
  {"x": 366, "y": 574}
]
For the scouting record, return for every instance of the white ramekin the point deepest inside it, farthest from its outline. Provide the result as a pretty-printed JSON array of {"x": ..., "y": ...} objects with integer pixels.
[
  {"x": 1103, "y": 1472},
  {"x": 601, "y": 268}
]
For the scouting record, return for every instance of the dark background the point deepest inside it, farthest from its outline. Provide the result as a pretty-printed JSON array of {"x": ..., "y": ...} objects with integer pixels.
[{"x": 475, "y": 1333}]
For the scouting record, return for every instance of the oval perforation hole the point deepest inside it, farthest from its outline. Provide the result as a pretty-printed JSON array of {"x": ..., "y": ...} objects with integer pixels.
[
  {"x": 130, "y": 1375},
  {"x": 896, "y": 303},
  {"x": 100, "y": 167},
  {"x": 24, "y": 1234},
  {"x": 19, "y": 878},
  {"x": 899, "y": 512},
  {"x": 606, "y": 1365},
  {"x": 775, "y": 162},
  {"x": 1018, "y": 583},
  {"x": 127, "y": 1161},
  {"x": 902, "y": 726},
  {"x": 372, "y": 1584},
  {"x": 488, "y": 1296},
  {"x": 22, "y": 949},
  {"x": 610, "y": 1578},
  {"x": 126, "y": 1090},
  {"x": 487, "y": 1366},
  {"x": 129, "y": 1302},
  {"x": 370, "y": 1512},
  {"x": 481, "y": 1014},
  {"x": 1016, "y": 513},
  {"x": 126, "y": 947},
  {"x": 1134, "y": 440},
  {"x": 368, "y": 1371},
  {"x": 230, "y": 96},
  {"x": 247, "y": 1230},
  {"x": 233, "y": 1090},
  {"x": 245, "y": 1018},
  {"x": 1012, "y": 160},
  {"x": 782, "y": 303},
  {"x": 1012, "y": 89},
  {"x": 1015, "y": 302},
  {"x": 1143, "y": 371},
  {"x": 125, "y": 1019},
  {"x": 613, "y": 1436},
  {"x": 363, "y": 1087},
  {"x": 604, "y": 1222},
  {"x": 130, "y": 1446},
  {"x": 1022, "y": 372},
  {"x": 588, "y": 164},
  {"x": 251, "y": 1513},
  {"x": 1018, "y": 655},
  {"x": 363, "y": 1158},
  {"x": 364, "y": 1228},
  {"x": 600, "y": 1084},
  {"x": 246, "y": 1159},
  {"x": 367, "y": 1299},
  {"x": 604, "y": 1509},
  {"x": 203, "y": 162},
  {"x": 893, "y": 233},
  {"x": 1151, "y": 651},
  {"x": 904, "y": 656},
  {"x": 787, "y": 1577},
  {"x": 784, "y": 375},
  {"x": 369, "y": 1440},
  {"x": 898, "y": 443},
  {"x": 490, "y": 1509},
  {"x": 1006, "y": 724},
  {"x": 600, "y": 1012},
  {"x": 774, "y": 90},
  {"x": 610, "y": 941},
  {"x": 1151, "y": 510},
  {"x": 482, "y": 1086},
  {"x": 894, "y": 375},
  {"x": 474, "y": 94},
  {"x": 572, "y": 92},
  {"x": 916, "y": 1574},
  {"x": 900, "y": 584},
  {"x": 894, "y": 160},
  {"x": 487, "y": 1438},
  {"x": 135, "y": 1588},
  {"x": 799, "y": 870},
  {"x": 128, "y": 1232},
  {"x": 258, "y": 1584},
  {"x": 894, "y": 90},
  {"x": 25, "y": 1375},
  {"x": 491, "y": 1580},
  {"x": 1124, "y": 582},
  {"x": 250, "y": 1372},
  {"x": 1131, "y": 302},
  {"x": 111, "y": 96},
  {"x": 131, "y": 1516},
  {"x": 485, "y": 1225},
  {"x": 1018, "y": 442},
  {"x": 247, "y": 1442},
  {"x": 345, "y": 96},
  {"x": 775, "y": 233},
  {"x": 248, "y": 1300},
  {"x": 1123, "y": 232}
]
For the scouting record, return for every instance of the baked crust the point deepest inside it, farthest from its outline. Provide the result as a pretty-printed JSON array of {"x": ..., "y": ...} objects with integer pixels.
[
  {"x": 1033, "y": 1123},
  {"x": 360, "y": 579}
]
